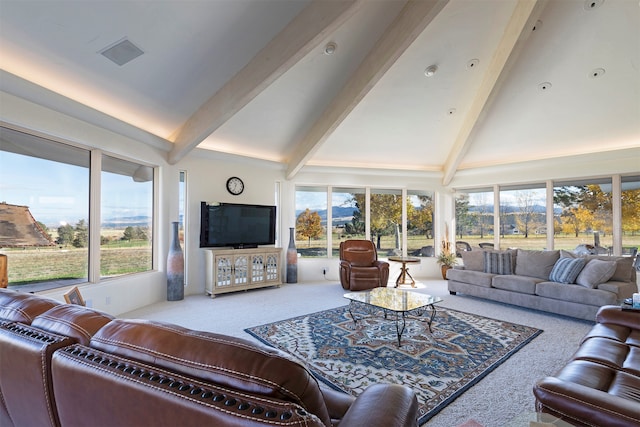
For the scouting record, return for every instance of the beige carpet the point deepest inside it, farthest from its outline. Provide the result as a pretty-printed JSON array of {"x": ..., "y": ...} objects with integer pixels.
[{"x": 499, "y": 400}]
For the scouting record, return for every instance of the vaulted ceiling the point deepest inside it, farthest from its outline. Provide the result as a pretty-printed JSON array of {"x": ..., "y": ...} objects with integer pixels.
[{"x": 412, "y": 85}]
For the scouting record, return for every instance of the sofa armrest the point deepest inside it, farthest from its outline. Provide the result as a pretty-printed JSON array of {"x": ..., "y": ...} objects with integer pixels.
[
  {"x": 383, "y": 405},
  {"x": 381, "y": 264},
  {"x": 338, "y": 402},
  {"x": 614, "y": 314},
  {"x": 585, "y": 404}
]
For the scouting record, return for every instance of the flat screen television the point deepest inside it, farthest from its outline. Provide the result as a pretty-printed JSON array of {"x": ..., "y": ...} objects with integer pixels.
[{"x": 236, "y": 225}]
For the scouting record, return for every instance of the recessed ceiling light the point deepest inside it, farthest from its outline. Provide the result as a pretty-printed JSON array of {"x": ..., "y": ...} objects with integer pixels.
[
  {"x": 592, "y": 4},
  {"x": 330, "y": 48},
  {"x": 472, "y": 64},
  {"x": 121, "y": 52},
  {"x": 430, "y": 70},
  {"x": 543, "y": 87},
  {"x": 597, "y": 72},
  {"x": 451, "y": 111}
]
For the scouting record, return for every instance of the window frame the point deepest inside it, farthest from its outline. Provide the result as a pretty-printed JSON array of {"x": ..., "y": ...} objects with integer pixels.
[{"x": 94, "y": 209}]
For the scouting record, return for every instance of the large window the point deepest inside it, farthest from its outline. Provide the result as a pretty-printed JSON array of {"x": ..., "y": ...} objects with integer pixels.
[
  {"x": 348, "y": 215},
  {"x": 360, "y": 213},
  {"x": 630, "y": 214},
  {"x": 523, "y": 216},
  {"x": 46, "y": 227},
  {"x": 125, "y": 226},
  {"x": 474, "y": 219},
  {"x": 583, "y": 215},
  {"x": 586, "y": 217},
  {"x": 386, "y": 221},
  {"x": 311, "y": 221},
  {"x": 420, "y": 238}
]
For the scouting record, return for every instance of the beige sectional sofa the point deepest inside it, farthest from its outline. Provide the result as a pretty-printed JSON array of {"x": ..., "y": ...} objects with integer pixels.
[{"x": 556, "y": 281}]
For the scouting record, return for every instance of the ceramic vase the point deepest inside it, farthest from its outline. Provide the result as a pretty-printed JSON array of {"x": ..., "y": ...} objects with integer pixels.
[
  {"x": 292, "y": 258},
  {"x": 444, "y": 269},
  {"x": 175, "y": 267}
]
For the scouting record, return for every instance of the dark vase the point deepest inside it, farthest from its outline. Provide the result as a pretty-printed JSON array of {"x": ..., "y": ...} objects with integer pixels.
[
  {"x": 175, "y": 267},
  {"x": 292, "y": 258}
]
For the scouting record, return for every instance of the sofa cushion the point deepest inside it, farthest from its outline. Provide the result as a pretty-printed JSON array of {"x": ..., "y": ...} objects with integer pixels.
[
  {"x": 477, "y": 278},
  {"x": 22, "y": 307},
  {"x": 72, "y": 320},
  {"x": 621, "y": 289},
  {"x": 566, "y": 270},
  {"x": 595, "y": 272},
  {"x": 497, "y": 262},
  {"x": 536, "y": 263},
  {"x": 520, "y": 284},
  {"x": 225, "y": 360},
  {"x": 473, "y": 260},
  {"x": 575, "y": 293}
]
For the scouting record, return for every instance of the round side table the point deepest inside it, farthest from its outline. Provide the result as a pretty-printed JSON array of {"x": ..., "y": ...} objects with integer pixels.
[{"x": 404, "y": 270}]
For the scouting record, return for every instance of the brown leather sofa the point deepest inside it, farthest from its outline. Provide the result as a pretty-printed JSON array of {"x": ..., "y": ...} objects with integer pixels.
[
  {"x": 360, "y": 268},
  {"x": 68, "y": 365},
  {"x": 600, "y": 385}
]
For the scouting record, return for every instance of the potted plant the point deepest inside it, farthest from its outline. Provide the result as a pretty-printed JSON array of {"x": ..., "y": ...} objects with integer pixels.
[{"x": 446, "y": 259}]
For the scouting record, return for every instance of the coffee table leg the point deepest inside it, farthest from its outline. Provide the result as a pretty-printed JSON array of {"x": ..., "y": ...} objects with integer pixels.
[
  {"x": 355, "y": 321},
  {"x": 399, "y": 330},
  {"x": 433, "y": 314}
]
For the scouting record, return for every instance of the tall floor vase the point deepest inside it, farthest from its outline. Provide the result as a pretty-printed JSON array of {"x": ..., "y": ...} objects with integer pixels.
[
  {"x": 175, "y": 267},
  {"x": 292, "y": 258}
]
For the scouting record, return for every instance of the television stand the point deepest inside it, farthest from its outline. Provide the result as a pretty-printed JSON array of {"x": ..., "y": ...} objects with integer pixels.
[{"x": 232, "y": 270}]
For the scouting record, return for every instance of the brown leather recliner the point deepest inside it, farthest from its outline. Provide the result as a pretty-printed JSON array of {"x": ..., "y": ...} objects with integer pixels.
[{"x": 360, "y": 268}]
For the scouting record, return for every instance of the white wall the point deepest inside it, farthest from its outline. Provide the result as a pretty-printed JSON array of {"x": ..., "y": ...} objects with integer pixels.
[{"x": 207, "y": 174}]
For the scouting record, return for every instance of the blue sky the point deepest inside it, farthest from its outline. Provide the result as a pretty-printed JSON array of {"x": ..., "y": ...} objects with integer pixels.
[{"x": 58, "y": 193}]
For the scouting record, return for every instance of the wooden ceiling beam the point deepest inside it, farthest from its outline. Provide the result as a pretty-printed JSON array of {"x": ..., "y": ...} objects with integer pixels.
[
  {"x": 517, "y": 30},
  {"x": 410, "y": 23},
  {"x": 303, "y": 34}
]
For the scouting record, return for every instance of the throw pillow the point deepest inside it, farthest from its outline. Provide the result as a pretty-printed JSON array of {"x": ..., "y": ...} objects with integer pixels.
[
  {"x": 497, "y": 262},
  {"x": 596, "y": 272},
  {"x": 566, "y": 270}
]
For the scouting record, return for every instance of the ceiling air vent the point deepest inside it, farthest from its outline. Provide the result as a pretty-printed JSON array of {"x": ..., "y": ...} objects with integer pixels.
[{"x": 122, "y": 52}]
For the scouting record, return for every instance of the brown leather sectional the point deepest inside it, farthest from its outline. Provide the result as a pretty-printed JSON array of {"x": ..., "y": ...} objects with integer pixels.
[
  {"x": 67, "y": 365},
  {"x": 600, "y": 385}
]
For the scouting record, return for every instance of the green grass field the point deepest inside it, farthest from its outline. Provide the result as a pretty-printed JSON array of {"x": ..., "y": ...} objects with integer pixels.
[{"x": 27, "y": 266}]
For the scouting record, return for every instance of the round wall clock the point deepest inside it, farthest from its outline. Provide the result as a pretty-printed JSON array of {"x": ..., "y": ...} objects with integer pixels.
[{"x": 235, "y": 185}]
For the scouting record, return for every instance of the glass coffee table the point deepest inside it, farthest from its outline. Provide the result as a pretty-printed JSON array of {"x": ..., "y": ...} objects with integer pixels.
[{"x": 401, "y": 302}]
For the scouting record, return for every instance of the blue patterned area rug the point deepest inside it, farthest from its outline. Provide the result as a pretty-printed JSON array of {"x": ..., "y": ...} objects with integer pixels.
[{"x": 438, "y": 366}]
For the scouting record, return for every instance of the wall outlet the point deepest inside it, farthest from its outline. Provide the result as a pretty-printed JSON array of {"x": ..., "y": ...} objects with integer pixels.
[{"x": 107, "y": 300}]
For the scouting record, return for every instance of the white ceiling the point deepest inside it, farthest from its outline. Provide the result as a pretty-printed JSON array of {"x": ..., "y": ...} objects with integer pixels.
[{"x": 250, "y": 77}]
